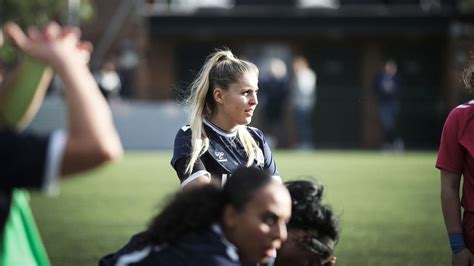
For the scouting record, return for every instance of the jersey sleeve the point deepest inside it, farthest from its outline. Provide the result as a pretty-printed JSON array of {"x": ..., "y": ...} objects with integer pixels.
[
  {"x": 56, "y": 147},
  {"x": 23, "y": 159},
  {"x": 181, "y": 155},
  {"x": 269, "y": 164},
  {"x": 451, "y": 153}
]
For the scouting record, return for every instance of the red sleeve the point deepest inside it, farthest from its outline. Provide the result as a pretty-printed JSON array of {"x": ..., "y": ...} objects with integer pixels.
[{"x": 451, "y": 153}]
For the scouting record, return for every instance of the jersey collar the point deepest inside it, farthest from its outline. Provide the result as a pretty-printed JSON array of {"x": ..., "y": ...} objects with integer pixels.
[{"x": 219, "y": 130}]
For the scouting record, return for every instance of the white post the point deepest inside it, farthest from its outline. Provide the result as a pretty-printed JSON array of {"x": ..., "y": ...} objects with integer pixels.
[{"x": 73, "y": 12}]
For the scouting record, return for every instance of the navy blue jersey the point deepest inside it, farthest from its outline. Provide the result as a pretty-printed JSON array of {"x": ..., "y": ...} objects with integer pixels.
[
  {"x": 22, "y": 164},
  {"x": 22, "y": 159},
  {"x": 209, "y": 248},
  {"x": 224, "y": 155}
]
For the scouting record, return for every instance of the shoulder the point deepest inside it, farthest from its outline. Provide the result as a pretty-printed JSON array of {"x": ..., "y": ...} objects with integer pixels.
[
  {"x": 183, "y": 133},
  {"x": 186, "y": 129},
  {"x": 462, "y": 113},
  {"x": 465, "y": 107},
  {"x": 255, "y": 132}
]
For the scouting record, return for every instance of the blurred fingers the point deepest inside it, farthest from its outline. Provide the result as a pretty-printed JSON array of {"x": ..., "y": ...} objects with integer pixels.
[
  {"x": 52, "y": 30},
  {"x": 86, "y": 46},
  {"x": 16, "y": 35},
  {"x": 34, "y": 34},
  {"x": 84, "y": 51},
  {"x": 71, "y": 31}
]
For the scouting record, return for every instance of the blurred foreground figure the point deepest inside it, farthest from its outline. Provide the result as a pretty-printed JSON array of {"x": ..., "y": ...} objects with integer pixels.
[
  {"x": 32, "y": 161},
  {"x": 312, "y": 231},
  {"x": 241, "y": 223},
  {"x": 456, "y": 159}
]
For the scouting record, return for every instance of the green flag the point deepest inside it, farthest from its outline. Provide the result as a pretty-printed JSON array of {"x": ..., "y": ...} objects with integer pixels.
[{"x": 21, "y": 240}]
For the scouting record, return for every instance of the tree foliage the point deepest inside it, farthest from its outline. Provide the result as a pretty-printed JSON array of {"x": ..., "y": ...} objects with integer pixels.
[{"x": 38, "y": 13}]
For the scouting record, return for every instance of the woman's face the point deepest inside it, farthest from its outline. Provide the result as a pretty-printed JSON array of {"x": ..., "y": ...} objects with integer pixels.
[
  {"x": 237, "y": 104},
  {"x": 260, "y": 227},
  {"x": 294, "y": 253}
]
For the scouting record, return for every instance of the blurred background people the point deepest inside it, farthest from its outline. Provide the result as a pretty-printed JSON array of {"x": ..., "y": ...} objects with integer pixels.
[
  {"x": 303, "y": 100},
  {"x": 274, "y": 88},
  {"x": 109, "y": 80},
  {"x": 387, "y": 89},
  {"x": 127, "y": 63}
]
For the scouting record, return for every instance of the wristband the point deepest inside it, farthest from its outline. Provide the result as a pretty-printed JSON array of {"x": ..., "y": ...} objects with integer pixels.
[{"x": 456, "y": 241}]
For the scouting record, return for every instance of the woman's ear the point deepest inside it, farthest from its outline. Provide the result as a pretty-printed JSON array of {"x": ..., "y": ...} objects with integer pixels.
[
  {"x": 218, "y": 95},
  {"x": 230, "y": 217}
]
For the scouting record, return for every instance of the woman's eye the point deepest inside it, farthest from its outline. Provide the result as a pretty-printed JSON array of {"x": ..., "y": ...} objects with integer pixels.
[{"x": 269, "y": 221}]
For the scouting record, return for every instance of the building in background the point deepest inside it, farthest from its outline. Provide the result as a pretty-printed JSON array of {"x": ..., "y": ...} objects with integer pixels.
[{"x": 430, "y": 40}]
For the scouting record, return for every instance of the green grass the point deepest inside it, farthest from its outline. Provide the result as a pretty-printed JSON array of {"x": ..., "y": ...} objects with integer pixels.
[{"x": 388, "y": 205}]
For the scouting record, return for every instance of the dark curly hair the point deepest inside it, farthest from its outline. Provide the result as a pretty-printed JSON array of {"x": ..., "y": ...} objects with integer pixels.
[
  {"x": 315, "y": 218},
  {"x": 195, "y": 209}
]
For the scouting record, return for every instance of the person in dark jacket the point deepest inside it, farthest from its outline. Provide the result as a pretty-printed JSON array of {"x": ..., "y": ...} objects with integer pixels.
[{"x": 242, "y": 223}]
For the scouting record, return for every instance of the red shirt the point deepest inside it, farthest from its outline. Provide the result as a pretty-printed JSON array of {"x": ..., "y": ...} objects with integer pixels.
[{"x": 456, "y": 150}]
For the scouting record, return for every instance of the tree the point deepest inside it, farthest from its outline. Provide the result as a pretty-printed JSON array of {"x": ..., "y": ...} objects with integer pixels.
[{"x": 38, "y": 13}]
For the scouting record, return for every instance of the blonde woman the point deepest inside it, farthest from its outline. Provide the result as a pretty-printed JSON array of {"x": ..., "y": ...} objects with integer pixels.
[{"x": 218, "y": 139}]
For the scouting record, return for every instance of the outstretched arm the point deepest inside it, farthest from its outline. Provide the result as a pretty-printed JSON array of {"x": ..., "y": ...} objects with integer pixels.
[{"x": 92, "y": 138}]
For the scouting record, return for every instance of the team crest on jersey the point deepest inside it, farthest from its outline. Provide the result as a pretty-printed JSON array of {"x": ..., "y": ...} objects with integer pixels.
[{"x": 220, "y": 156}]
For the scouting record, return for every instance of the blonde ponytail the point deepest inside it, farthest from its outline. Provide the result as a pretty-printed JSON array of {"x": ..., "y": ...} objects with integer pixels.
[{"x": 221, "y": 69}]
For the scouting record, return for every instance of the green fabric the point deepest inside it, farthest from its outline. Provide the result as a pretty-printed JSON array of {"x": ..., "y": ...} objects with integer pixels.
[
  {"x": 21, "y": 241},
  {"x": 21, "y": 244},
  {"x": 24, "y": 91}
]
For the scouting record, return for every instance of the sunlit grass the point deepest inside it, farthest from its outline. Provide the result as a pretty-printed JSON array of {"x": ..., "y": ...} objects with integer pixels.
[{"x": 388, "y": 205}]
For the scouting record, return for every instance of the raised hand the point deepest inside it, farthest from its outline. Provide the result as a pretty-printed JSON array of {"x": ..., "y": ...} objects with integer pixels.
[{"x": 52, "y": 45}]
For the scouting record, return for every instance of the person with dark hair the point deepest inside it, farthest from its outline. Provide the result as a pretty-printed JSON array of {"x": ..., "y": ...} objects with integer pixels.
[
  {"x": 312, "y": 231},
  {"x": 218, "y": 139},
  {"x": 456, "y": 159},
  {"x": 242, "y": 222}
]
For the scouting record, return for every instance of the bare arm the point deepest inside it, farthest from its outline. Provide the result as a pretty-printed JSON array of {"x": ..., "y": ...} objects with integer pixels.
[
  {"x": 92, "y": 138},
  {"x": 450, "y": 203}
]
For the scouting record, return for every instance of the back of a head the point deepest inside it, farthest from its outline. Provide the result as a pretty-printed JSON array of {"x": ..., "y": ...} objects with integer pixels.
[
  {"x": 242, "y": 185},
  {"x": 311, "y": 216},
  {"x": 188, "y": 211},
  {"x": 467, "y": 75}
]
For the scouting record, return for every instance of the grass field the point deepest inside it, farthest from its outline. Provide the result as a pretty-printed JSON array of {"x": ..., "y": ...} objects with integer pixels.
[{"x": 388, "y": 206}]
